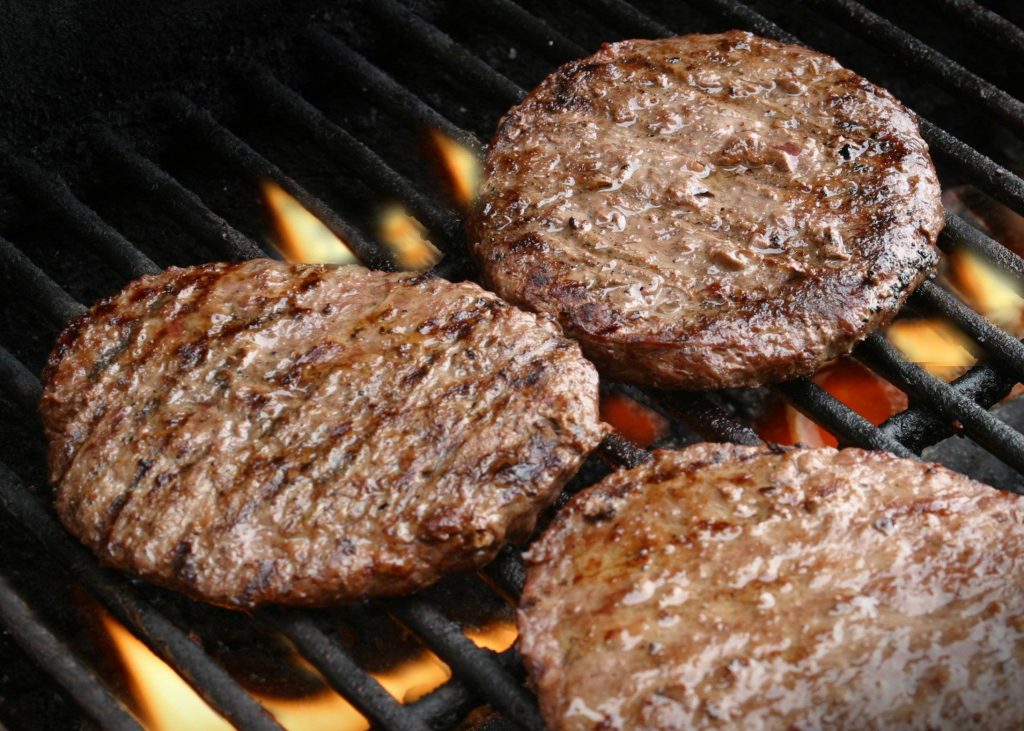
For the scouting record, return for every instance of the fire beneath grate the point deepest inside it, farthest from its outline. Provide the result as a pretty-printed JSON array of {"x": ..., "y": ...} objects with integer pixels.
[
  {"x": 165, "y": 702},
  {"x": 935, "y": 373}
]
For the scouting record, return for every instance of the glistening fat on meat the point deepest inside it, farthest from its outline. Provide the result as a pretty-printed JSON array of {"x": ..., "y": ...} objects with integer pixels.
[
  {"x": 710, "y": 210},
  {"x": 261, "y": 433},
  {"x": 724, "y": 587}
]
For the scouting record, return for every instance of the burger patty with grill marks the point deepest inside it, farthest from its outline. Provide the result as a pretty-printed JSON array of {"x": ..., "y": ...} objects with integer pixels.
[
  {"x": 723, "y": 587},
  {"x": 710, "y": 210},
  {"x": 262, "y": 433}
]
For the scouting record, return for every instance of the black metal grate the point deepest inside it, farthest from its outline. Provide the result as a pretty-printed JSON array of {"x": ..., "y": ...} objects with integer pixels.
[{"x": 480, "y": 676}]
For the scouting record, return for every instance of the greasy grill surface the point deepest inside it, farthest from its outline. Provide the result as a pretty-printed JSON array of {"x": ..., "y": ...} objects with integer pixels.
[
  {"x": 263, "y": 433},
  {"x": 723, "y": 585},
  {"x": 179, "y": 185},
  {"x": 708, "y": 211}
]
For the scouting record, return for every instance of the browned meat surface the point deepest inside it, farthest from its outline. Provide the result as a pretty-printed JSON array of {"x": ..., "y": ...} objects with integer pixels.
[
  {"x": 710, "y": 210},
  {"x": 264, "y": 433},
  {"x": 725, "y": 587}
]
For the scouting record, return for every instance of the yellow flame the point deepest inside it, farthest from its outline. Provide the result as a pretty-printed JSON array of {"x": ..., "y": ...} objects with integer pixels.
[
  {"x": 302, "y": 237},
  {"x": 325, "y": 711},
  {"x": 406, "y": 238},
  {"x": 164, "y": 700},
  {"x": 168, "y": 703},
  {"x": 991, "y": 292},
  {"x": 497, "y": 637},
  {"x": 462, "y": 166},
  {"x": 937, "y": 346}
]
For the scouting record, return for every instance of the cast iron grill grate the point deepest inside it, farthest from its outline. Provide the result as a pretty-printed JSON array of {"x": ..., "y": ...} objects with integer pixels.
[{"x": 480, "y": 676}]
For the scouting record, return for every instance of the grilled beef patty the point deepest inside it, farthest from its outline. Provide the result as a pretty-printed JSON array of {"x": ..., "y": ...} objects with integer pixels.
[
  {"x": 740, "y": 587},
  {"x": 262, "y": 433},
  {"x": 710, "y": 210}
]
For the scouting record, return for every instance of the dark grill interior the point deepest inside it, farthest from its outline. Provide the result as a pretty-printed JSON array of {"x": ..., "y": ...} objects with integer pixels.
[{"x": 333, "y": 109}]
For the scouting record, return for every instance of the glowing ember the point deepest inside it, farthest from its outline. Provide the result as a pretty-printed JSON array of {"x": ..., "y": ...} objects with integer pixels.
[
  {"x": 167, "y": 703},
  {"x": 404, "y": 235},
  {"x": 935, "y": 345},
  {"x": 461, "y": 165},
  {"x": 633, "y": 420},
  {"x": 302, "y": 237}
]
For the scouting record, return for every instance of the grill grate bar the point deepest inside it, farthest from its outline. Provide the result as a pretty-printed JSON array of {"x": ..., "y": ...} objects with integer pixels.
[
  {"x": 1000, "y": 344},
  {"x": 627, "y": 17},
  {"x": 453, "y": 268},
  {"x": 990, "y": 24},
  {"x": 446, "y": 52},
  {"x": 387, "y": 92},
  {"x": 51, "y": 192},
  {"x": 546, "y": 39},
  {"x": 623, "y": 453},
  {"x": 698, "y": 411},
  {"x": 251, "y": 163},
  {"x": 480, "y": 669},
  {"x": 58, "y": 304},
  {"x": 173, "y": 645},
  {"x": 342, "y": 672},
  {"x": 186, "y": 206},
  {"x": 959, "y": 233},
  {"x": 351, "y": 153},
  {"x": 996, "y": 436},
  {"x": 384, "y": 90},
  {"x": 748, "y": 18},
  {"x": 1002, "y": 184},
  {"x": 508, "y": 571},
  {"x": 919, "y": 426},
  {"x": 20, "y": 383},
  {"x": 845, "y": 423},
  {"x": 57, "y": 659},
  {"x": 702, "y": 414},
  {"x": 883, "y": 33},
  {"x": 445, "y": 706}
]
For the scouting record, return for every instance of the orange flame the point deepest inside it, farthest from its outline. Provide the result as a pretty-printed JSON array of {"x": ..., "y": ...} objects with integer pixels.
[
  {"x": 406, "y": 238},
  {"x": 302, "y": 237},
  {"x": 165, "y": 702},
  {"x": 461, "y": 165}
]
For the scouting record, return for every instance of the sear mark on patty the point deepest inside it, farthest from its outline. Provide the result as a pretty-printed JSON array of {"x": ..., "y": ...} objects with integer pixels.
[
  {"x": 710, "y": 210},
  {"x": 261, "y": 433}
]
